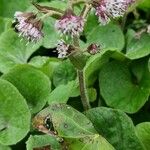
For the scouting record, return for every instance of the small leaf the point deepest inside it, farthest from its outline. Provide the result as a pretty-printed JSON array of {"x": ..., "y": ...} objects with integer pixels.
[
  {"x": 120, "y": 91},
  {"x": 116, "y": 127},
  {"x": 39, "y": 141},
  {"x": 32, "y": 84},
  {"x": 92, "y": 94},
  {"x": 138, "y": 48},
  {"x": 62, "y": 92},
  {"x": 46, "y": 64},
  {"x": 14, "y": 114},
  {"x": 143, "y": 132},
  {"x": 64, "y": 73}
]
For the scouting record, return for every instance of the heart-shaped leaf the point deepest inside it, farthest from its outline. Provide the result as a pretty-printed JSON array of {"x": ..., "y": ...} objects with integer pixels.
[
  {"x": 110, "y": 37},
  {"x": 119, "y": 90}
]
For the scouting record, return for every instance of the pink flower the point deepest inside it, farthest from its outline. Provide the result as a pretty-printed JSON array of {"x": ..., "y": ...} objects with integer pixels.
[
  {"x": 107, "y": 9},
  {"x": 28, "y": 26},
  {"x": 62, "y": 49},
  {"x": 70, "y": 24}
]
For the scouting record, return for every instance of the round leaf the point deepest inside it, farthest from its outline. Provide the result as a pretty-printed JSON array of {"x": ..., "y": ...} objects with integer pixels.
[
  {"x": 118, "y": 89},
  {"x": 109, "y": 36},
  {"x": 14, "y": 114},
  {"x": 64, "y": 73},
  {"x": 34, "y": 85},
  {"x": 116, "y": 127}
]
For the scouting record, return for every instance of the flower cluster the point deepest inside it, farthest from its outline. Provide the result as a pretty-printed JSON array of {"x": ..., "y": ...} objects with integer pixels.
[
  {"x": 107, "y": 9},
  {"x": 62, "y": 49},
  {"x": 70, "y": 24},
  {"x": 28, "y": 26}
]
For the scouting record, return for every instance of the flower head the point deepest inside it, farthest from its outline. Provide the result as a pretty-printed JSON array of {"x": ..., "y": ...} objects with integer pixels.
[
  {"x": 70, "y": 24},
  {"x": 107, "y": 9},
  {"x": 28, "y": 26},
  {"x": 62, "y": 49}
]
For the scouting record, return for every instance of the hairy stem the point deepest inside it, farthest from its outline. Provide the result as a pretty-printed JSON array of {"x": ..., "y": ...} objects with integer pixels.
[{"x": 83, "y": 90}]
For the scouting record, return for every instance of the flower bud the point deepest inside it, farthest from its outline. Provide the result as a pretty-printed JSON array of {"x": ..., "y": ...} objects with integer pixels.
[{"x": 93, "y": 49}]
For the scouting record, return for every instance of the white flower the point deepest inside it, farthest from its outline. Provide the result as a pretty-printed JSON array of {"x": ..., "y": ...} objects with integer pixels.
[
  {"x": 107, "y": 9},
  {"x": 62, "y": 49},
  {"x": 70, "y": 24},
  {"x": 28, "y": 26}
]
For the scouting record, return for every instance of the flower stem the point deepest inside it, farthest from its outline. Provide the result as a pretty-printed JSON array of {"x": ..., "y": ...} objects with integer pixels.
[{"x": 83, "y": 90}]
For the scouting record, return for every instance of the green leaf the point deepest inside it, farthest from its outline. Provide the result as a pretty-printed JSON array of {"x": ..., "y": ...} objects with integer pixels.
[
  {"x": 32, "y": 84},
  {"x": 2, "y": 147},
  {"x": 46, "y": 64},
  {"x": 144, "y": 4},
  {"x": 7, "y": 9},
  {"x": 149, "y": 64},
  {"x": 95, "y": 63},
  {"x": 5, "y": 24},
  {"x": 92, "y": 94},
  {"x": 138, "y": 48},
  {"x": 64, "y": 73},
  {"x": 51, "y": 35},
  {"x": 120, "y": 91},
  {"x": 143, "y": 132},
  {"x": 14, "y": 114},
  {"x": 73, "y": 126},
  {"x": 13, "y": 52},
  {"x": 63, "y": 92},
  {"x": 40, "y": 141},
  {"x": 110, "y": 37},
  {"x": 116, "y": 127}
]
